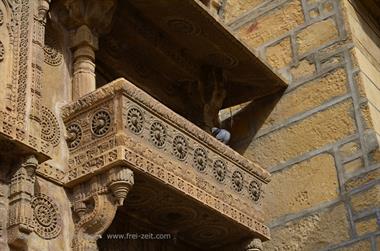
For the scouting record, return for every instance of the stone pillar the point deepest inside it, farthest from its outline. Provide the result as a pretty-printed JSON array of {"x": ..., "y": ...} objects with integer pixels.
[
  {"x": 83, "y": 43},
  {"x": 20, "y": 218},
  {"x": 86, "y": 20}
]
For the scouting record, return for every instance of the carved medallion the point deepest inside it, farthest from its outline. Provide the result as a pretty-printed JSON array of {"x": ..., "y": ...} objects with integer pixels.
[
  {"x": 219, "y": 170},
  {"x": 200, "y": 159},
  {"x": 50, "y": 127},
  {"x": 237, "y": 181},
  {"x": 2, "y": 51},
  {"x": 135, "y": 120},
  {"x": 158, "y": 134},
  {"x": 180, "y": 147},
  {"x": 210, "y": 233},
  {"x": 1, "y": 17},
  {"x": 47, "y": 219},
  {"x": 254, "y": 190},
  {"x": 74, "y": 132},
  {"x": 100, "y": 123}
]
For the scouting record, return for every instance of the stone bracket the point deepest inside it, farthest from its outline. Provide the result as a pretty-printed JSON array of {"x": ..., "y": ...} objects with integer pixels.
[{"x": 95, "y": 203}]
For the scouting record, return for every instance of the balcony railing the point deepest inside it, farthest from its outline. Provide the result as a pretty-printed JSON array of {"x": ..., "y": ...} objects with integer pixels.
[{"x": 119, "y": 124}]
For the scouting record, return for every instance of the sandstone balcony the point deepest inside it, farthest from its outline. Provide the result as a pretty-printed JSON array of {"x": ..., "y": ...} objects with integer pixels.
[{"x": 216, "y": 193}]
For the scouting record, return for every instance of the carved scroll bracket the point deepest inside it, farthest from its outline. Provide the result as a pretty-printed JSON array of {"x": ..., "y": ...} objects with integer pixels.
[
  {"x": 95, "y": 203},
  {"x": 20, "y": 223},
  {"x": 255, "y": 245}
]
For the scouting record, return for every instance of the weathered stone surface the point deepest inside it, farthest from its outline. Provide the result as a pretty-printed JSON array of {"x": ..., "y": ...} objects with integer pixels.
[
  {"x": 366, "y": 200},
  {"x": 305, "y": 68},
  {"x": 236, "y": 8},
  {"x": 272, "y": 24},
  {"x": 279, "y": 55},
  {"x": 313, "y": 232},
  {"x": 299, "y": 187},
  {"x": 366, "y": 226},
  {"x": 308, "y": 96},
  {"x": 353, "y": 166},
  {"x": 309, "y": 134},
  {"x": 349, "y": 149},
  {"x": 361, "y": 245},
  {"x": 361, "y": 180},
  {"x": 316, "y": 35}
]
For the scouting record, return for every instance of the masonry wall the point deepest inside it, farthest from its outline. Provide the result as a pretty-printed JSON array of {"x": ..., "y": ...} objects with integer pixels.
[{"x": 321, "y": 141}]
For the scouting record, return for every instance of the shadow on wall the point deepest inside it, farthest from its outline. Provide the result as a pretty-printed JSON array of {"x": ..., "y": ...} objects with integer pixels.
[{"x": 245, "y": 124}]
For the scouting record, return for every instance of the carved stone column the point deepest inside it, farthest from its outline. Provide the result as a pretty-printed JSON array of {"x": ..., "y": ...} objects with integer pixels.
[
  {"x": 87, "y": 20},
  {"x": 255, "y": 245},
  {"x": 95, "y": 203},
  {"x": 20, "y": 218}
]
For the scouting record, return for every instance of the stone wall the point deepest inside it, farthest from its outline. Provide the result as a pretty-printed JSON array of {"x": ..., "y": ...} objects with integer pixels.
[{"x": 320, "y": 142}]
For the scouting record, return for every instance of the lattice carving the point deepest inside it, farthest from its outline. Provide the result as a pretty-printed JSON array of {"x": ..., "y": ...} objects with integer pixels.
[{"x": 47, "y": 219}]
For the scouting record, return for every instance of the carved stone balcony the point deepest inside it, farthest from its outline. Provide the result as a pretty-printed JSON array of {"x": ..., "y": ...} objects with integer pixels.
[{"x": 121, "y": 125}]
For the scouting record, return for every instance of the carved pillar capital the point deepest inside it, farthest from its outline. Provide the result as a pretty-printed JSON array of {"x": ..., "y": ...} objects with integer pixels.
[
  {"x": 95, "y": 203},
  {"x": 255, "y": 245}
]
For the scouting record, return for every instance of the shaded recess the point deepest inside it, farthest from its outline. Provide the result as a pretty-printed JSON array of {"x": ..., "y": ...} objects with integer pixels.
[
  {"x": 176, "y": 51},
  {"x": 153, "y": 208}
]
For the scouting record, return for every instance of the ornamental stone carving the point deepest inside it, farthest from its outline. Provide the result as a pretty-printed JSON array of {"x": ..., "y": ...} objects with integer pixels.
[
  {"x": 237, "y": 181},
  {"x": 47, "y": 219},
  {"x": 219, "y": 170},
  {"x": 49, "y": 127},
  {"x": 95, "y": 203},
  {"x": 74, "y": 137},
  {"x": 255, "y": 190},
  {"x": 2, "y": 51},
  {"x": 100, "y": 123},
  {"x": 152, "y": 139},
  {"x": 180, "y": 147},
  {"x": 1, "y": 17},
  {"x": 135, "y": 120},
  {"x": 158, "y": 134},
  {"x": 200, "y": 159}
]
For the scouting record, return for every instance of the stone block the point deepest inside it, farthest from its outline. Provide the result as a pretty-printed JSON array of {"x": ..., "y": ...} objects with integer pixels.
[
  {"x": 353, "y": 166},
  {"x": 272, "y": 24},
  {"x": 366, "y": 226},
  {"x": 349, "y": 149},
  {"x": 361, "y": 180},
  {"x": 236, "y": 8},
  {"x": 313, "y": 232},
  {"x": 299, "y": 187},
  {"x": 366, "y": 200},
  {"x": 280, "y": 54},
  {"x": 304, "y": 68},
  {"x": 316, "y": 35},
  {"x": 325, "y": 127},
  {"x": 361, "y": 245},
  {"x": 309, "y": 96}
]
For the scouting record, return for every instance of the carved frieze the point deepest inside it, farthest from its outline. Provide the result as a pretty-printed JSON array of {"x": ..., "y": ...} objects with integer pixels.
[{"x": 149, "y": 137}]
